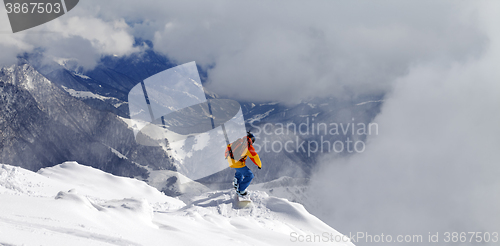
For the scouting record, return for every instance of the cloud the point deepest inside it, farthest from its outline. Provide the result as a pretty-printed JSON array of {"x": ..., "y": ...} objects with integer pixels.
[
  {"x": 87, "y": 39},
  {"x": 10, "y": 44},
  {"x": 282, "y": 51},
  {"x": 291, "y": 51},
  {"x": 434, "y": 165},
  {"x": 81, "y": 35}
]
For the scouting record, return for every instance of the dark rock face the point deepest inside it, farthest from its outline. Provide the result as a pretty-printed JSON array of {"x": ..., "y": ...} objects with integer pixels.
[
  {"x": 42, "y": 125},
  {"x": 170, "y": 188}
]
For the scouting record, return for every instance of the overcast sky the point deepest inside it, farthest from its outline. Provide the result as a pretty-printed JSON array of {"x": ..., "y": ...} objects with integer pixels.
[
  {"x": 268, "y": 50},
  {"x": 434, "y": 164}
]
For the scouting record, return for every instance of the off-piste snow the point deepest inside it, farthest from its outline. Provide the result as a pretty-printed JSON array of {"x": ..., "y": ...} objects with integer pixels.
[{"x": 73, "y": 204}]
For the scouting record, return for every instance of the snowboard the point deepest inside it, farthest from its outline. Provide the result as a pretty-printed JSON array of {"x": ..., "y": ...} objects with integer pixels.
[{"x": 243, "y": 201}]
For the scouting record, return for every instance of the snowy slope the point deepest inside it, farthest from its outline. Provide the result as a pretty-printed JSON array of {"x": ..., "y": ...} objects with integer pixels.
[
  {"x": 174, "y": 183},
  {"x": 71, "y": 204},
  {"x": 293, "y": 189}
]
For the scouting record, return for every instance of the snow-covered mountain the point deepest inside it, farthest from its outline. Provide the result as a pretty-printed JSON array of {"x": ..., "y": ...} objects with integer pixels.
[
  {"x": 82, "y": 115},
  {"x": 42, "y": 124},
  {"x": 105, "y": 87},
  {"x": 53, "y": 112},
  {"x": 72, "y": 204}
]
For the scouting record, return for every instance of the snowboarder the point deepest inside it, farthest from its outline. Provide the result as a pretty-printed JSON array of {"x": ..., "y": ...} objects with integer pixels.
[{"x": 236, "y": 154}]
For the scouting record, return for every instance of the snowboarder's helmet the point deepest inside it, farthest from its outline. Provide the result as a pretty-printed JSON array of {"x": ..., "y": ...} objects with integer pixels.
[{"x": 251, "y": 136}]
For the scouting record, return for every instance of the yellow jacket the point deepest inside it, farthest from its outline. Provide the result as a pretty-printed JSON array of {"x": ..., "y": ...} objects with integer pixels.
[{"x": 241, "y": 162}]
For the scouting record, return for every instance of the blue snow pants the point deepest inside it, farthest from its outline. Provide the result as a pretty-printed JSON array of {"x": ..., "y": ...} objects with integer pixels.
[{"x": 244, "y": 176}]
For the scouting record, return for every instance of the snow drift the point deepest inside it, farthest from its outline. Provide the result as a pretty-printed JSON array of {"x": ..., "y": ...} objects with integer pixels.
[{"x": 72, "y": 204}]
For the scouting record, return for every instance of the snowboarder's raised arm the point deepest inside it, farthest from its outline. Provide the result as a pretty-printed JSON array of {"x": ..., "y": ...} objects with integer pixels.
[{"x": 254, "y": 156}]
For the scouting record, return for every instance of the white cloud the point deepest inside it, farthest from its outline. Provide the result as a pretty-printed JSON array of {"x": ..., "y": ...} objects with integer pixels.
[
  {"x": 106, "y": 37},
  {"x": 281, "y": 50},
  {"x": 86, "y": 39},
  {"x": 291, "y": 51},
  {"x": 81, "y": 34},
  {"x": 434, "y": 165},
  {"x": 10, "y": 44}
]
